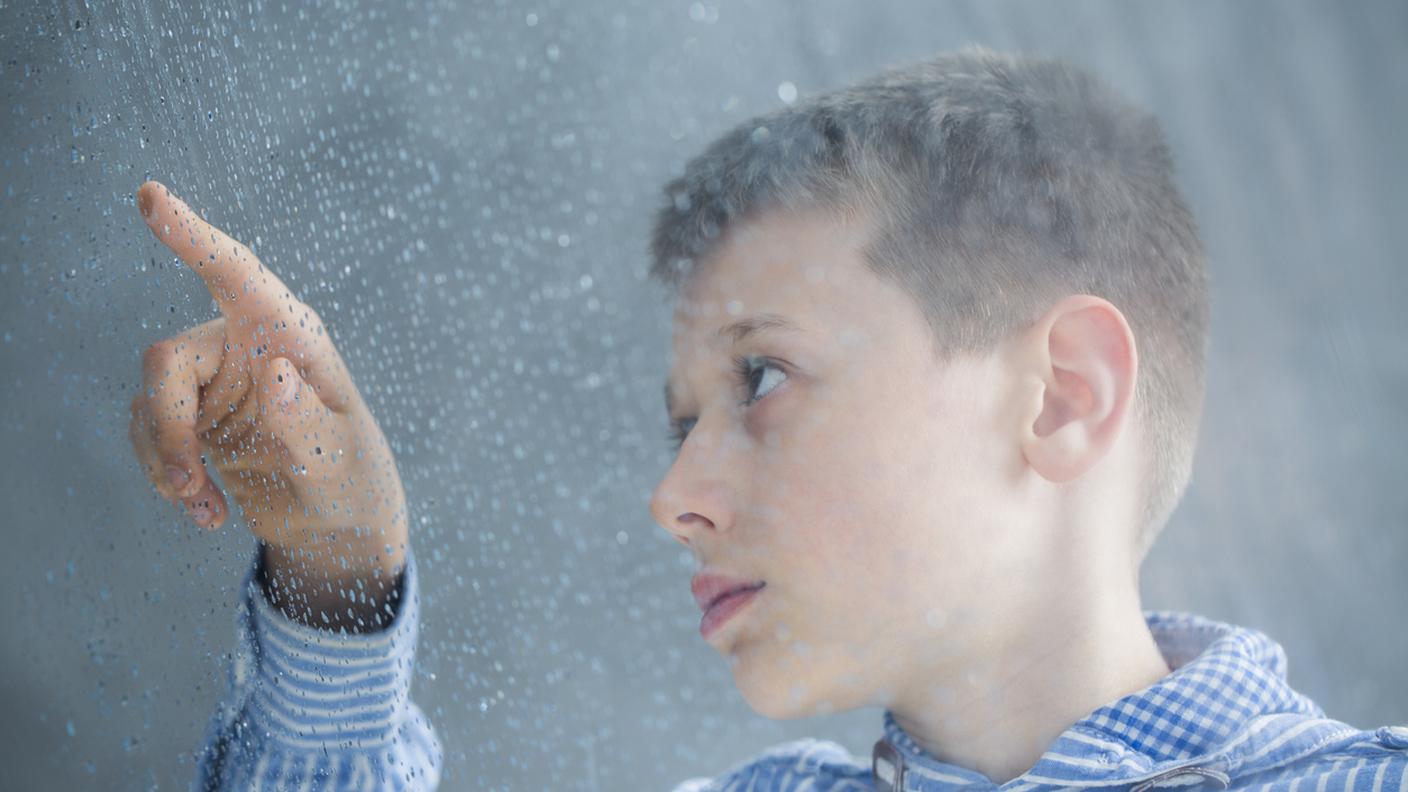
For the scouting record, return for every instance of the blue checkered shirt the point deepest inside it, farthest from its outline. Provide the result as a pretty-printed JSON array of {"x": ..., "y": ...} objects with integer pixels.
[
  {"x": 1224, "y": 718},
  {"x": 312, "y": 709}
]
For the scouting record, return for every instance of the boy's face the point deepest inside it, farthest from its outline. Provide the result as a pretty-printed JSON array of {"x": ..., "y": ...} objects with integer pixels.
[{"x": 868, "y": 485}]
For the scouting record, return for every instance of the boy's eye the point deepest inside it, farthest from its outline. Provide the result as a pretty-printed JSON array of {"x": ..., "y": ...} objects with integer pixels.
[
  {"x": 752, "y": 375},
  {"x": 679, "y": 429}
]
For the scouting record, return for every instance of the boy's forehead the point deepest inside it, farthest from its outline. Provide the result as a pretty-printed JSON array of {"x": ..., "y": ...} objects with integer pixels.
[{"x": 784, "y": 263}]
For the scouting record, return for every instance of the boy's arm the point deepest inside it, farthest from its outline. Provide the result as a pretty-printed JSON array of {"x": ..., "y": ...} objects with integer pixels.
[
  {"x": 308, "y": 704},
  {"x": 320, "y": 683}
]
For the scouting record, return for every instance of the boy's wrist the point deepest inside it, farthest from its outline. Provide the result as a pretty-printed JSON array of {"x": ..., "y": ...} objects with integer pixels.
[{"x": 313, "y": 591}]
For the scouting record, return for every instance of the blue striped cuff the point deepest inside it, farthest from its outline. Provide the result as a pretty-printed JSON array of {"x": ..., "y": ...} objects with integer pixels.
[{"x": 314, "y": 688}]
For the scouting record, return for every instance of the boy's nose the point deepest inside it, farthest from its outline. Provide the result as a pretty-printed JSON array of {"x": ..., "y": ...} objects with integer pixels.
[
  {"x": 696, "y": 495},
  {"x": 688, "y": 510},
  {"x": 669, "y": 515}
]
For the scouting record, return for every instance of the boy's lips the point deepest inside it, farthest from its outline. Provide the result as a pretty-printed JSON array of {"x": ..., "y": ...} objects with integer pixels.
[
  {"x": 725, "y": 607},
  {"x": 709, "y": 587}
]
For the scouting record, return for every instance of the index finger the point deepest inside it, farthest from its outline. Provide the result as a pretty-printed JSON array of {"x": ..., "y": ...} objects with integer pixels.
[{"x": 237, "y": 280}]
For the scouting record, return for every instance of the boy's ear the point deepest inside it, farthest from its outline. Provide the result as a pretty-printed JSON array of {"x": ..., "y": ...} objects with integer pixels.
[{"x": 1085, "y": 365}]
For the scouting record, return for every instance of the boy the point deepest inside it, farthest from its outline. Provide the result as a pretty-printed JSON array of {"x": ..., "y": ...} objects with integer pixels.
[{"x": 938, "y": 374}]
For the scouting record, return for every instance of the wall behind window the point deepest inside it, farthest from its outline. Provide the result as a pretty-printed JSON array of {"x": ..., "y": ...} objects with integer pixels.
[{"x": 464, "y": 193}]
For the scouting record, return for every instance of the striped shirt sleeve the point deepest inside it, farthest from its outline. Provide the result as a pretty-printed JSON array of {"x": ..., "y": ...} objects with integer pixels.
[{"x": 313, "y": 709}]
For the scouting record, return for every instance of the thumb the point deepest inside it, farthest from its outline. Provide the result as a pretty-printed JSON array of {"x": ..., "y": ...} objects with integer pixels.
[{"x": 290, "y": 404}]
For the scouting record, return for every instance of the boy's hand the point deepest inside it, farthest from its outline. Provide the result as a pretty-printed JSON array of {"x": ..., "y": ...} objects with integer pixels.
[{"x": 262, "y": 394}]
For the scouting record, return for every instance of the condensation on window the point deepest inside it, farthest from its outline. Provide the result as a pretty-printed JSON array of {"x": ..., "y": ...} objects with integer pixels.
[{"x": 464, "y": 194}]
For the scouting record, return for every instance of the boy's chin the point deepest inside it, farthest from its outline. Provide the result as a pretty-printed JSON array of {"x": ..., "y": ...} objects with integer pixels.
[{"x": 789, "y": 694}]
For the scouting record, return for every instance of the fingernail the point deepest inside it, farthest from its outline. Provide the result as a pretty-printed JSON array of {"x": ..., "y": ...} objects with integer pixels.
[
  {"x": 144, "y": 203},
  {"x": 201, "y": 515},
  {"x": 178, "y": 477}
]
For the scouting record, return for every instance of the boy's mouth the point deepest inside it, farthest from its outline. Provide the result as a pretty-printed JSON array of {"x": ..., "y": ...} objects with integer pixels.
[
  {"x": 723, "y": 608},
  {"x": 709, "y": 588}
]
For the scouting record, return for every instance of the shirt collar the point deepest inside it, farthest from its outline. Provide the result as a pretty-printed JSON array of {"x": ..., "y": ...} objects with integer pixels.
[{"x": 1222, "y": 677}]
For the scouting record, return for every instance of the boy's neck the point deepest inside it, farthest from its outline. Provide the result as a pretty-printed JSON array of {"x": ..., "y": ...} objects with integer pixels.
[{"x": 999, "y": 716}]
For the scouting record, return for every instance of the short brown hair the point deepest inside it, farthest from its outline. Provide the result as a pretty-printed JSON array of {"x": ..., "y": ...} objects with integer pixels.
[{"x": 993, "y": 185}]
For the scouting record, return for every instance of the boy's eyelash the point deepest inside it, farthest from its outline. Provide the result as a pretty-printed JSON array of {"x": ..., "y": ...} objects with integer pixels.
[
  {"x": 743, "y": 368},
  {"x": 743, "y": 373}
]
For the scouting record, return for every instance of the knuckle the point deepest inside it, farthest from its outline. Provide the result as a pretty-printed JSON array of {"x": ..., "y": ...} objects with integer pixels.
[
  {"x": 155, "y": 358},
  {"x": 214, "y": 326},
  {"x": 170, "y": 439},
  {"x": 168, "y": 433},
  {"x": 299, "y": 317}
]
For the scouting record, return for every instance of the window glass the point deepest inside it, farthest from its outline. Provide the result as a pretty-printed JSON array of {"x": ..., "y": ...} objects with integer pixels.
[{"x": 464, "y": 193}]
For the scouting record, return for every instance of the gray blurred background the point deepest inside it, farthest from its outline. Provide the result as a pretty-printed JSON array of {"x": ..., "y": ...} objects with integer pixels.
[{"x": 464, "y": 190}]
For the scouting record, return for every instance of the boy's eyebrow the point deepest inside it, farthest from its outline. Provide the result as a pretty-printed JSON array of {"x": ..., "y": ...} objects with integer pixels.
[
  {"x": 746, "y": 327},
  {"x": 736, "y": 333}
]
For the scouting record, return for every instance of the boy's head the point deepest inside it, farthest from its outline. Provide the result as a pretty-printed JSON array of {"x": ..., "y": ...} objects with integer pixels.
[{"x": 986, "y": 403}]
